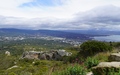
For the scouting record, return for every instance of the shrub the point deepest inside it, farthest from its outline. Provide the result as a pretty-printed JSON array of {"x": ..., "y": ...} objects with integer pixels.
[
  {"x": 37, "y": 63},
  {"x": 12, "y": 73},
  {"x": 74, "y": 70},
  {"x": 25, "y": 62},
  {"x": 6, "y": 62},
  {"x": 103, "y": 56},
  {"x": 25, "y": 73},
  {"x": 70, "y": 59},
  {"x": 90, "y": 62},
  {"x": 106, "y": 71},
  {"x": 114, "y": 72},
  {"x": 2, "y": 72},
  {"x": 93, "y": 47},
  {"x": 116, "y": 44}
]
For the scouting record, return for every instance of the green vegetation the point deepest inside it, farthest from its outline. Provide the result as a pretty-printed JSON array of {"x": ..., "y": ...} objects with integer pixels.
[
  {"x": 25, "y": 66},
  {"x": 91, "y": 62},
  {"x": 74, "y": 69},
  {"x": 94, "y": 47},
  {"x": 19, "y": 46},
  {"x": 83, "y": 58},
  {"x": 107, "y": 71}
]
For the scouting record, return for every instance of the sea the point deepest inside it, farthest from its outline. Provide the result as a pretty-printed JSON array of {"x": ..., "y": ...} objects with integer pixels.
[{"x": 112, "y": 38}]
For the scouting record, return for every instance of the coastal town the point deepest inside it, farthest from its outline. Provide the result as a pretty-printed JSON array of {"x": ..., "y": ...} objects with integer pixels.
[{"x": 64, "y": 40}]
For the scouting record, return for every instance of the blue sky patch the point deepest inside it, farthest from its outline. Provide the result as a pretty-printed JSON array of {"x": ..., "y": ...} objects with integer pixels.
[{"x": 41, "y": 3}]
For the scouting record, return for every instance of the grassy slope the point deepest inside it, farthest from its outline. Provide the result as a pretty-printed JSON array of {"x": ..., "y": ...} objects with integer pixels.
[{"x": 44, "y": 67}]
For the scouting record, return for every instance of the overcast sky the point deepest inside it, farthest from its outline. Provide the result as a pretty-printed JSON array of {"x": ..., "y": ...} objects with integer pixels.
[{"x": 60, "y": 14}]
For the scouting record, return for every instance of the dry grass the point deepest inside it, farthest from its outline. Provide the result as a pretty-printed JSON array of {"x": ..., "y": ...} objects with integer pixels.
[{"x": 103, "y": 56}]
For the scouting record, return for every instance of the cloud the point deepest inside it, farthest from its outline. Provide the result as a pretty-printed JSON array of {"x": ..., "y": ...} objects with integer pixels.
[
  {"x": 49, "y": 8},
  {"x": 93, "y": 19},
  {"x": 60, "y": 14}
]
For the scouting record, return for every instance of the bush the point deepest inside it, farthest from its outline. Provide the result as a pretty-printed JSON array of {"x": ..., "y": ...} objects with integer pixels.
[
  {"x": 25, "y": 73},
  {"x": 106, "y": 71},
  {"x": 6, "y": 62},
  {"x": 70, "y": 59},
  {"x": 37, "y": 63},
  {"x": 90, "y": 62},
  {"x": 12, "y": 73},
  {"x": 93, "y": 47},
  {"x": 114, "y": 72},
  {"x": 25, "y": 62},
  {"x": 116, "y": 44},
  {"x": 74, "y": 70}
]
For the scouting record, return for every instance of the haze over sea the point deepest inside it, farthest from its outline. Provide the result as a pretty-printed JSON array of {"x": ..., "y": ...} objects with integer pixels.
[{"x": 113, "y": 38}]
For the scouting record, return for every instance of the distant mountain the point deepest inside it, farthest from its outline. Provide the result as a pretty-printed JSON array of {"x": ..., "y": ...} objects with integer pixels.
[
  {"x": 68, "y": 34},
  {"x": 95, "y": 32},
  {"x": 63, "y": 34}
]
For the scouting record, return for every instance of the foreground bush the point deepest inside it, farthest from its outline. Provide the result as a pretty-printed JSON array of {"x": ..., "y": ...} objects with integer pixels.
[
  {"x": 106, "y": 71},
  {"x": 74, "y": 70},
  {"x": 91, "y": 62},
  {"x": 93, "y": 47}
]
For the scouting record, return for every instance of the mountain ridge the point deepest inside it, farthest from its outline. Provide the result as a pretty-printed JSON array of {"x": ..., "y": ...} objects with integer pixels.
[{"x": 55, "y": 33}]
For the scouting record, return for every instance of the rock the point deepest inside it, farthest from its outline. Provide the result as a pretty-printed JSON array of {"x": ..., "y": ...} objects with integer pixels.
[
  {"x": 46, "y": 55},
  {"x": 64, "y": 53},
  {"x": 114, "y": 57},
  {"x": 13, "y": 67},
  {"x": 109, "y": 64},
  {"x": 89, "y": 73},
  {"x": 49, "y": 56},
  {"x": 56, "y": 56},
  {"x": 31, "y": 55},
  {"x": 104, "y": 68},
  {"x": 61, "y": 52},
  {"x": 42, "y": 57},
  {"x": 68, "y": 54},
  {"x": 7, "y": 53},
  {"x": 15, "y": 63},
  {"x": 33, "y": 62}
]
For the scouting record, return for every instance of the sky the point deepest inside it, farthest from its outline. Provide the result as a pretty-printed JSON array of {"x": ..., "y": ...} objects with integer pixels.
[{"x": 60, "y": 14}]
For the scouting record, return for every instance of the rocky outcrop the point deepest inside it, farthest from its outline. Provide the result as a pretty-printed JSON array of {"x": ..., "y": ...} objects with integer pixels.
[
  {"x": 89, "y": 73},
  {"x": 104, "y": 68},
  {"x": 46, "y": 55},
  {"x": 7, "y": 53},
  {"x": 31, "y": 54},
  {"x": 114, "y": 57},
  {"x": 108, "y": 64},
  {"x": 108, "y": 68}
]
